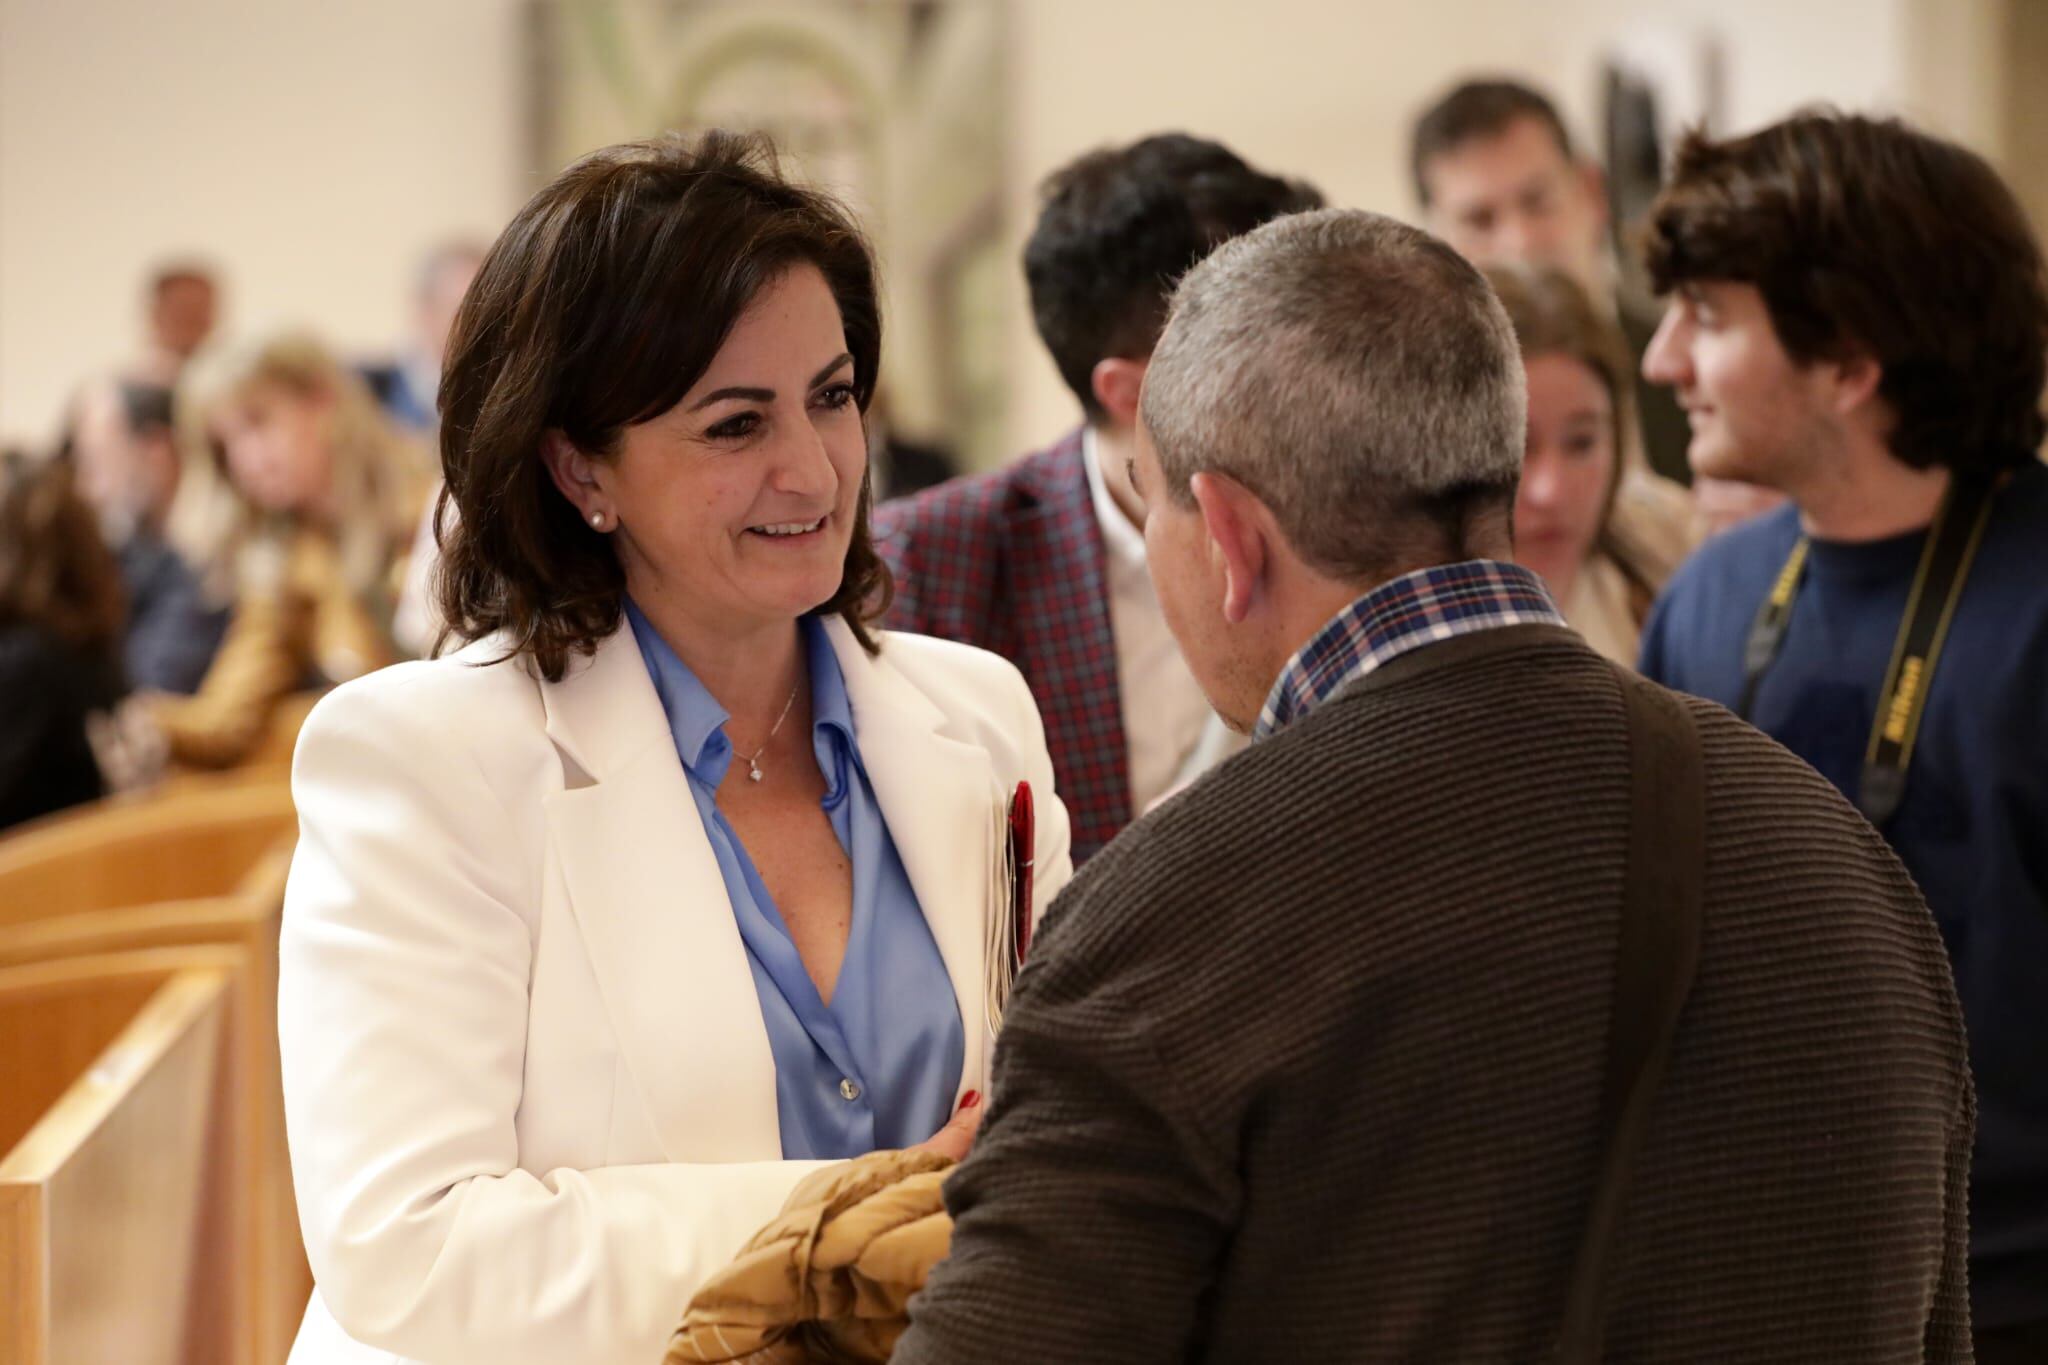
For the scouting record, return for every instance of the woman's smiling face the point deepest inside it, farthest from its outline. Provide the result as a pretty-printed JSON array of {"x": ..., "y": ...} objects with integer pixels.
[{"x": 737, "y": 505}]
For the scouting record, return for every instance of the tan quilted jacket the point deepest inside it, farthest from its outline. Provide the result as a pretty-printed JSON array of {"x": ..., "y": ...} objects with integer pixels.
[{"x": 828, "y": 1282}]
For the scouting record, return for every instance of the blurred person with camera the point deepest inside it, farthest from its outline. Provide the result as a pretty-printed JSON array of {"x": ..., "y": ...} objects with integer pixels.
[{"x": 121, "y": 440}]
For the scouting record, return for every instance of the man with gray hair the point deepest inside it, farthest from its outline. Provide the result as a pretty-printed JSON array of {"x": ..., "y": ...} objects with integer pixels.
[{"x": 1494, "y": 1004}]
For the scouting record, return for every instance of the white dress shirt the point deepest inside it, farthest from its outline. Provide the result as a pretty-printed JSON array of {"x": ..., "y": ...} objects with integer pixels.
[{"x": 1170, "y": 732}]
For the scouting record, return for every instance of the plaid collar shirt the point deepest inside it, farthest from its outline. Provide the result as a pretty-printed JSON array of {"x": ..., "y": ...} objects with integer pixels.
[{"x": 1407, "y": 613}]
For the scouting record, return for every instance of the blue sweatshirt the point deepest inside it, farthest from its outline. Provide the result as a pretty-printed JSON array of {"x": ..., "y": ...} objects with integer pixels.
[{"x": 1973, "y": 826}]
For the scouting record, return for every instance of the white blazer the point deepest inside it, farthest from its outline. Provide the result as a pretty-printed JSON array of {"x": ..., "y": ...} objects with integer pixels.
[{"x": 530, "y": 1097}]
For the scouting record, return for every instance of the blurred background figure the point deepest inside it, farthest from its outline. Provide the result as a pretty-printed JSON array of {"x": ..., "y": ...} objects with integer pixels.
[
  {"x": 1499, "y": 179},
  {"x": 1043, "y": 561},
  {"x": 60, "y": 639},
  {"x": 898, "y": 465},
  {"x": 407, "y": 387},
  {"x": 1604, "y": 570},
  {"x": 183, "y": 309},
  {"x": 124, "y": 452},
  {"x": 407, "y": 384},
  {"x": 1722, "y": 504},
  {"x": 330, "y": 495}
]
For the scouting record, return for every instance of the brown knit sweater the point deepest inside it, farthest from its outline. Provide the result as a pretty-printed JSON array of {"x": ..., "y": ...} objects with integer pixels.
[{"x": 1306, "y": 1065}]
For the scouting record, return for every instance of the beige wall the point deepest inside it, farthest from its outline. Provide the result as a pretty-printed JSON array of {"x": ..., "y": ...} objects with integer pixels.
[{"x": 314, "y": 148}]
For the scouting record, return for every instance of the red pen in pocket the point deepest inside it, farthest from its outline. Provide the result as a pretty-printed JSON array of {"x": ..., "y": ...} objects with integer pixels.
[{"x": 1023, "y": 842}]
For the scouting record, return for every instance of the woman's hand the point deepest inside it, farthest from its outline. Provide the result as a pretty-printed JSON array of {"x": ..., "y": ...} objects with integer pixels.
[{"x": 957, "y": 1137}]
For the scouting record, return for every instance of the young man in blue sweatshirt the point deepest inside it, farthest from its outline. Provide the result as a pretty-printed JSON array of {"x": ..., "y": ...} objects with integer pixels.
[{"x": 1857, "y": 319}]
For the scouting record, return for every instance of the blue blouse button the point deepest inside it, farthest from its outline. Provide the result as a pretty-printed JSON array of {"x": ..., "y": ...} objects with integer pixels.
[{"x": 849, "y": 1089}]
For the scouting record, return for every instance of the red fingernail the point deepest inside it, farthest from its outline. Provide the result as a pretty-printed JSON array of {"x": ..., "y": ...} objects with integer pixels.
[{"x": 970, "y": 1099}]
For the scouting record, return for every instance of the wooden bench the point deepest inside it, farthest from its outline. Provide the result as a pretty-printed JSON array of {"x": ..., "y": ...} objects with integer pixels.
[
  {"x": 271, "y": 1254},
  {"x": 118, "y": 1179},
  {"x": 195, "y": 840},
  {"x": 246, "y": 916}
]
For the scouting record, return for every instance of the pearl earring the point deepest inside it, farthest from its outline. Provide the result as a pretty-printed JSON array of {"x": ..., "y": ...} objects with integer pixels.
[{"x": 597, "y": 520}]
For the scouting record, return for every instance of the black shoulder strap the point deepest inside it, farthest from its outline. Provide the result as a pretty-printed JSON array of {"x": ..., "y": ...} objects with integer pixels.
[
  {"x": 1937, "y": 587},
  {"x": 1767, "y": 632},
  {"x": 1657, "y": 957}
]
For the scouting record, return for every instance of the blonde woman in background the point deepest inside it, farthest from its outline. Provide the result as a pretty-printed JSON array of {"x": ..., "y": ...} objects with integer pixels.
[
  {"x": 1601, "y": 529},
  {"x": 302, "y": 498}
]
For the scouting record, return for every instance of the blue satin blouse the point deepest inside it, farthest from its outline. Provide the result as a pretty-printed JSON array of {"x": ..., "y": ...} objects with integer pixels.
[{"x": 879, "y": 1066}]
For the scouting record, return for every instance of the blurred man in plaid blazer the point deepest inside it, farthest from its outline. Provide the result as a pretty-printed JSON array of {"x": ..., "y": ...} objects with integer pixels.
[{"x": 1043, "y": 561}]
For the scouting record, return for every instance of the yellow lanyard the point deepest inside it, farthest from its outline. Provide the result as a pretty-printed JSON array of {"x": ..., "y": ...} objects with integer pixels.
[{"x": 1937, "y": 587}]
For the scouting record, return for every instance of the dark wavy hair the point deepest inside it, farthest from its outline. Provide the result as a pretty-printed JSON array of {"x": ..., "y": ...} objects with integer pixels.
[
  {"x": 56, "y": 573},
  {"x": 1865, "y": 235},
  {"x": 1118, "y": 229},
  {"x": 597, "y": 308}
]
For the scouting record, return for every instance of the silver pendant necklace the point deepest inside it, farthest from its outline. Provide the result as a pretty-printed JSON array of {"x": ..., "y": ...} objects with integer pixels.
[{"x": 753, "y": 760}]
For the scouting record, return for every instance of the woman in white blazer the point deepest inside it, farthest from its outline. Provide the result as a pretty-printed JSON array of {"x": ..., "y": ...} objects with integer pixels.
[{"x": 674, "y": 879}]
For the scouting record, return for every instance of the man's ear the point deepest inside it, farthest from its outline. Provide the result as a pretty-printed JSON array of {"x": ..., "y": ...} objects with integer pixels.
[
  {"x": 1116, "y": 383},
  {"x": 1237, "y": 540},
  {"x": 1857, "y": 375},
  {"x": 575, "y": 475}
]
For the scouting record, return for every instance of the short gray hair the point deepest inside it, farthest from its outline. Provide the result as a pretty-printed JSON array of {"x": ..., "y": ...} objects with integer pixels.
[{"x": 1353, "y": 372}]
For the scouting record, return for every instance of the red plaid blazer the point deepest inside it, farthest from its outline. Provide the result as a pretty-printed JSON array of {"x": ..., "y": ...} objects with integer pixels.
[{"x": 1012, "y": 561}]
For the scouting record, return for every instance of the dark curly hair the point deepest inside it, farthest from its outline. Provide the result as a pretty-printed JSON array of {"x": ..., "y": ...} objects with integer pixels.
[
  {"x": 1118, "y": 229},
  {"x": 1865, "y": 235},
  {"x": 598, "y": 307}
]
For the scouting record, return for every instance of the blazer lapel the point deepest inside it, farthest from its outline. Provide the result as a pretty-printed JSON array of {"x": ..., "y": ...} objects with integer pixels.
[
  {"x": 646, "y": 892},
  {"x": 938, "y": 795}
]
